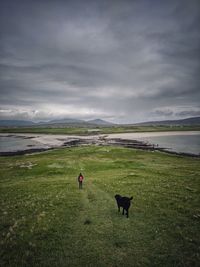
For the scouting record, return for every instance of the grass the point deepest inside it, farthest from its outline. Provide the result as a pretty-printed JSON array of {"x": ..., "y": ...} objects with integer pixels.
[
  {"x": 47, "y": 221},
  {"x": 97, "y": 129}
]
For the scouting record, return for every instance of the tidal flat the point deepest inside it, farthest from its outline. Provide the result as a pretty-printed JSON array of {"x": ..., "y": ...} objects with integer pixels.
[
  {"x": 185, "y": 142},
  {"x": 47, "y": 221}
]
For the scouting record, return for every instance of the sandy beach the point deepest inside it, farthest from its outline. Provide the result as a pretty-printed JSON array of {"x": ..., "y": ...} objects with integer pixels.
[
  {"x": 132, "y": 136},
  {"x": 49, "y": 140}
]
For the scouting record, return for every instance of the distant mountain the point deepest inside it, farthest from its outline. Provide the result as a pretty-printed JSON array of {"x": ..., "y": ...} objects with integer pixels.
[
  {"x": 96, "y": 122},
  {"x": 15, "y": 123},
  {"x": 100, "y": 122},
  {"x": 188, "y": 121},
  {"x": 192, "y": 121},
  {"x": 64, "y": 121}
]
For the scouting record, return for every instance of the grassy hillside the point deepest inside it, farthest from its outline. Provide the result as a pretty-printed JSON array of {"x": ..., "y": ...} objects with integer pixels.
[
  {"x": 96, "y": 129},
  {"x": 47, "y": 221}
]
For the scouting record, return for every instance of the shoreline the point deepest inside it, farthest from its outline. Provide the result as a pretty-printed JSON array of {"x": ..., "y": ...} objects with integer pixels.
[{"x": 65, "y": 141}]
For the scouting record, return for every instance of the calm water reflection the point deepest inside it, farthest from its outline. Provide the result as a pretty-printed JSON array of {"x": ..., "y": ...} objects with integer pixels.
[{"x": 176, "y": 143}]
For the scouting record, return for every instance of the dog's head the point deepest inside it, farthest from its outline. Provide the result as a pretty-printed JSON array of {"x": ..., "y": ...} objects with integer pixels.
[{"x": 117, "y": 196}]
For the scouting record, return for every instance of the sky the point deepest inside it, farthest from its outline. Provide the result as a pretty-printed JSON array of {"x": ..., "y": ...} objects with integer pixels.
[{"x": 118, "y": 60}]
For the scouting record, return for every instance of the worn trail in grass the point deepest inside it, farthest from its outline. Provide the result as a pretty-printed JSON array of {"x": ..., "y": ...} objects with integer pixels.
[
  {"x": 47, "y": 221},
  {"x": 99, "y": 221}
]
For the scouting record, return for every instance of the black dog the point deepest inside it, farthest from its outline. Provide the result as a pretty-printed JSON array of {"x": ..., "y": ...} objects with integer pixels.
[{"x": 123, "y": 202}]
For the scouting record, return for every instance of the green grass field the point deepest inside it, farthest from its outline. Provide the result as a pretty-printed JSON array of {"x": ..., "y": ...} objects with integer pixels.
[
  {"x": 47, "y": 221},
  {"x": 97, "y": 129}
]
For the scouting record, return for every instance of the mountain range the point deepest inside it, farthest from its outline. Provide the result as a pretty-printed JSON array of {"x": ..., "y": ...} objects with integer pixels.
[
  {"x": 187, "y": 121},
  {"x": 96, "y": 122},
  {"x": 66, "y": 121}
]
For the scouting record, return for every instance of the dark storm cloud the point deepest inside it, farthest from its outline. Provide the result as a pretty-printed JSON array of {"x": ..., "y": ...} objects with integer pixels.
[{"x": 121, "y": 60}]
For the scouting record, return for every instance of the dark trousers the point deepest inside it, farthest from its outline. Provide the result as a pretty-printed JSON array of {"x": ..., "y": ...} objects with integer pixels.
[{"x": 80, "y": 184}]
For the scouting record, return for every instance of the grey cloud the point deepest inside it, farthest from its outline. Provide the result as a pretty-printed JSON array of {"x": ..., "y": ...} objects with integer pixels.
[
  {"x": 189, "y": 113},
  {"x": 118, "y": 59},
  {"x": 167, "y": 112},
  {"x": 176, "y": 112}
]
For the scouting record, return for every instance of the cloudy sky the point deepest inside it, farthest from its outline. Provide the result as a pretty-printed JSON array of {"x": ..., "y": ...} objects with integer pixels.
[{"x": 122, "y": 61}]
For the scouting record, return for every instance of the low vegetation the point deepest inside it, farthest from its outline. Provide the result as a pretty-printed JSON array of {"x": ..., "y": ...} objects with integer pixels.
[
  {"x": 96, "y": 129},
  {"x": 47, "y": 221}
]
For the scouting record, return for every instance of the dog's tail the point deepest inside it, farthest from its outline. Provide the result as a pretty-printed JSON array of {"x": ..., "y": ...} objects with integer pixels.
[{"x": 131, "y": 198}]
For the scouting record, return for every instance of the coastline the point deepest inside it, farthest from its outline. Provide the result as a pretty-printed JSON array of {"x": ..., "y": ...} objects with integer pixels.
[{"x": 50, "y": 142}]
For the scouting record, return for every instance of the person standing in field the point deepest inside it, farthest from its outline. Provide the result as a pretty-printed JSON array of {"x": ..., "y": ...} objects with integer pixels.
[{"x": 80, "y": 180}]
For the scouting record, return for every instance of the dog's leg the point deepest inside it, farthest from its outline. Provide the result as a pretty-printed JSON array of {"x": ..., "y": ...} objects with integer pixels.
[
  {"x": 127, "y": 213},
  {"x": 123, "y": 211},
  {"x": 118, "y": 208}
]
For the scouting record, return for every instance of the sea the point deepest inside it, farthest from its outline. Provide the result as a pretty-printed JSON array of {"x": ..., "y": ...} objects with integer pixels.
[
  {"x": 18, "y": 143},
  {"x": 189, "y": 144}
]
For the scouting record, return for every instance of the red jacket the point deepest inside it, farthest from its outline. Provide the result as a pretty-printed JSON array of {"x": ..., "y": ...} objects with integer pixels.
[{"x": 80, "y": 178}]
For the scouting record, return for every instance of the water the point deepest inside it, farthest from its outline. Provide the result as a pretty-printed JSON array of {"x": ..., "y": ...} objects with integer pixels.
[
  {"x": 176, "y": 143},
  {"x": 17, "y": 143}
]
